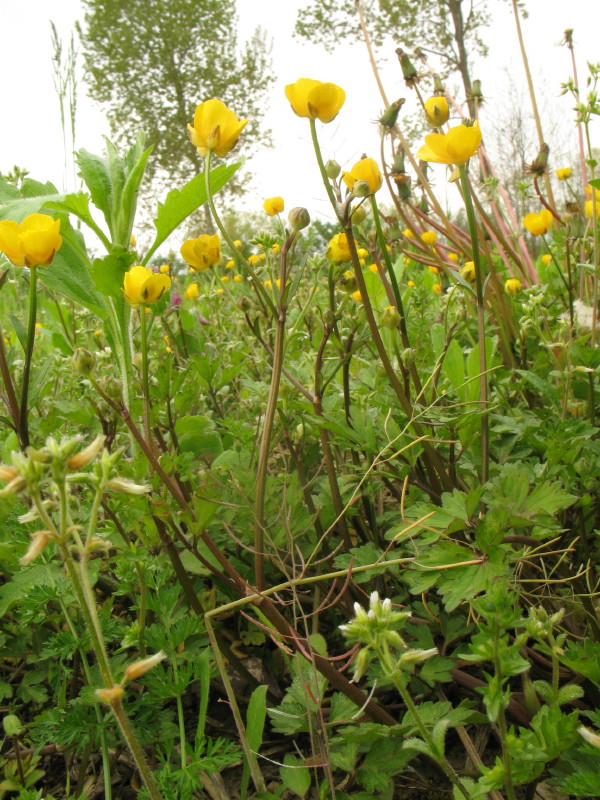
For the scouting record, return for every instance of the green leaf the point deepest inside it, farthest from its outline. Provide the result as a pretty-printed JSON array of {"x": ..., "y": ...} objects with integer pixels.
[
  {"x": 255, "y": 724},
  {"x": 108, "y": 272},
  {"x": 180, "y": 203},
  {"x": 453, "y": 367},
  {"x": 20, "y": 330},
  {"x": 95, "y": 174},
  {"x": 295, "y": 776}
]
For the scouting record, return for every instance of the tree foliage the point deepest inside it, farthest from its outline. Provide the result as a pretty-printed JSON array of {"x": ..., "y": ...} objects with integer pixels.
[
  {"x": 446, "y": 29},
  {"x": 150, "y": 62}
]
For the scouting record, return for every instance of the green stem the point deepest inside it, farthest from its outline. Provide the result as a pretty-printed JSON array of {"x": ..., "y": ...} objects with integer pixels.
[
  {"x": 259, "y": 288},
  {"x": 135, "y": 749},
  {"x": 483, "y": 378},
  {"x": 324, "y": 176},
  {"x": 180, "y": 716},
  {"x": 23, "y": 410},
  {"x": 145, "y": 381}
]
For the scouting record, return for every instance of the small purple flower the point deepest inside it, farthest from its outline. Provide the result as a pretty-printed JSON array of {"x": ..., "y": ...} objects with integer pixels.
[
  {"x": 202, "y": 320},
  {"x": 175, "y": 299}
]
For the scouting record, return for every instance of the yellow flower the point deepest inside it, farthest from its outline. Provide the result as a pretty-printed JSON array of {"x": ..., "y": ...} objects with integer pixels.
[
  {"x": 512, "y": 286},
  {"x": 428, "y": 237},
  {"x": 454, "y": 147},
  {"x": 269, "y": 284},
  {"x": 314, "y": 99},
  {"x": 165, "y": 269},
  {"x": 220, "y": 291},
  {"x": 538, "y": 224},
  {"x": 276, "y": 248},
  {"x": 588, "y": 208},
  {"x": 253, "y": 259},
  {"x": 452, "y": 257},
  {"x": 362, "y": 252},
  {"x": 373, "y": 268},
  {"x": 216, "y": 129},
  {"x": 32, "y": 243},
  {"x": 434, "y": 270},
  {"x": 238, "y": 278},
  {"x": 437, "y": 288},
  {"x": 237, "y": 244},
  {"x": 192, "y": 291},
  {"x": 356, "y": 296},
  {"x": 273, "y": 205},
  {"x": 588, "y": 191},
  {"x": 366, "y": 170},
  {"x": 408, "y": 233},
  {"x": 225, "y": 278},
  {"x": 563, "y": 174},
  {"x": 546, "y": 259},
  {"x": 203, "y": 252},
  {"x": 468, "y": 271},
  {"x": 410, "y": 283},
  {"x": 338, "y": 249},
  {"x": 437, "y": 111},
  {"x": 142, "y": 286}
]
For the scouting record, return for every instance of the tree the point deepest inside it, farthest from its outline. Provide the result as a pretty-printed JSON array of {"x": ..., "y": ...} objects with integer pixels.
[
  {"x": 152, "y": 61},
  {"x": 448, "y": 29}
]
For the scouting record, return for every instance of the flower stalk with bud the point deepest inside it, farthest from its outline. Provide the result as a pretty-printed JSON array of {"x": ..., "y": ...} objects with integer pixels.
[
  {"x": 50, "y": 473},
  {"x": 376, "y": 630}
]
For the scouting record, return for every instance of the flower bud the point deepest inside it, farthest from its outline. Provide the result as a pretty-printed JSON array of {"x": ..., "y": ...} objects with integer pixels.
[
  {"x": 408, "y": 356},
  {"x": 7, "y": 473},
  {"x": 477, "y": 94},
  {"x": 243, "y": 304},
  {"x": 539, "y": 164},
  {"x": 348, "y": 281},
  {"x": 112, "y": 387},
  {"x": 87, "y": 455},
  {"x": 390, "y": 317},
  {"x": 512, "y": 287},
  {"x": 137, "y": 669},
  {"x": 12, "y": 725},
  {"x": 38, "y": 544},
  {"x": 361, "y": 664},
  {"x": 110, "y": 696},
  {"x": 127, "y": 487},
  {"x": 83, "y": 361},
  {"x": 358, "y": 215},
  {"x": 436, "y": 111},
  {"x": 298, "y": 218},
  {"x": 412, "y": 657},
  {"x": 14, "y": 487},
  {"x": 468, "y": 271},
  {"x": 332, "y": 169},
  {"x": 589, "y": 736}
]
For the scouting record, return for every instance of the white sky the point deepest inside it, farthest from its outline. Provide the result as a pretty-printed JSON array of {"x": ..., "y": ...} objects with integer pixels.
[{"x": 30, "y": 132}]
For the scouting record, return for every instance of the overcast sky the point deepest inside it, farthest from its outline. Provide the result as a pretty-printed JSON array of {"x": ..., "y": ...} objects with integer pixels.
[{"x": 30, "y": 133}]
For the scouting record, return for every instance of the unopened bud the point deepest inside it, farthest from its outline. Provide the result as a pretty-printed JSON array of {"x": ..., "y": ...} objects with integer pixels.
[
  {"x": 128, "y": 487},
  {"x": 298, "y": 218},
  {"x": 348, "y": 281},
  {"x": 134, "y": 671},
  {"x": 361, "y": 664},
  {"x": 408, "y": 356},
  {"x": 589, "y": 736},
  {"x": 14, "y": 487},
  {"x": 332, "y": 169},
  {"x": 390, "y": 317},
  {"x": 38, "y": 544},
  {"x": 243, "y": 303},
  {"x": 110, "y": 696},
  {"x": 412, "y": 657},
  {"x": 12, "y": 725},
  {"x": 358, "y": 215},
  {"x": 112, "y": 387},
  {"x": 87, "y": 455},
  {"x": 7, "y": 473},
  {"x": 83, "y": 361},
  {"x": 436, "y": 110}
]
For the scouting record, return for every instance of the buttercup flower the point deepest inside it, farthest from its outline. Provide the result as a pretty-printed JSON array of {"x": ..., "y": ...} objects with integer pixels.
[
  {"x": 216, "y": 128},
  {"x": 428, "y": 237},
  {"x": 408, "y": 233},
  {"x": 192, "y": 291},
  {"x": 454, "y": 147},
  {"x": 436, "y": 111},
  {"x": 588, "y": 208},
  {"x": 165, "y": 269},
  {"x": 537, "y": 224},
  {"x": 314, "y": 99},
  {"x": 203, "y": 252},
  {"x": 338, "y": 249},
  {"x": 563, "y": 174},
  {"x": 366, "y": 170},
  {"x": 273, "y": 205},
  {"x": 512, "y": 286},
  {"x": 468, "y": 271},
  {"x": 32, "y": 243},
  {"x": 142, "y": 286},
  {"x": 546, "y": 259},
  {"x": 452, "y": 257}
]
